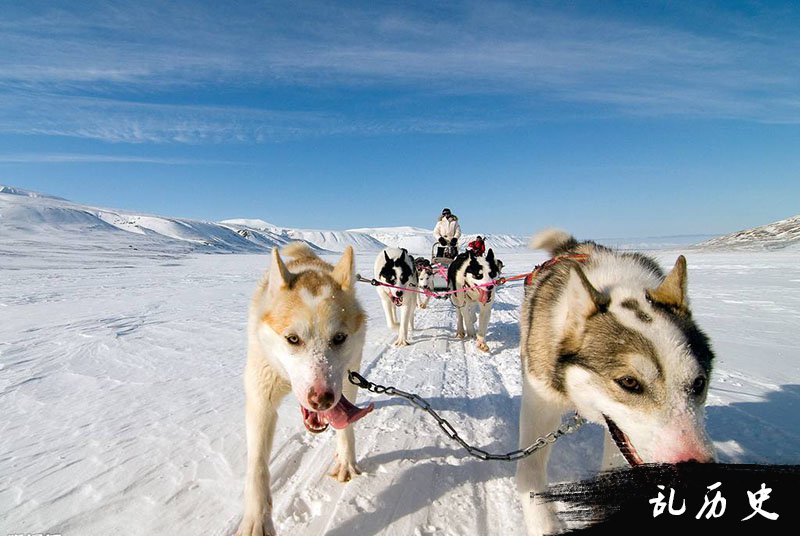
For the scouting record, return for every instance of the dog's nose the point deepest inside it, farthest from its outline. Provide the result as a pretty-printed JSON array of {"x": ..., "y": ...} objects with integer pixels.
[
  {"x": 320, "y": 401},
  {"x": 399, "y": 294}
]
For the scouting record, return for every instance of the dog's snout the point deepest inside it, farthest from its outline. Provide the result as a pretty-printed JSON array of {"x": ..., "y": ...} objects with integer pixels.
[
  {"x": 399, "y": 294},
  {"x": 320, "y": 401},
  {"x": 490, "y": 288}
]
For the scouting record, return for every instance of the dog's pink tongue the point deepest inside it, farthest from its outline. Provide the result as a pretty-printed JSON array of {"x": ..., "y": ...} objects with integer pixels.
[
  {"x": 483, "y": 295},
  {"x": 344, "y": 413}
]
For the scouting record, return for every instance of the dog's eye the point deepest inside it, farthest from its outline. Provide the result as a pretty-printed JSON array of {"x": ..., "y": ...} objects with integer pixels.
[
  {"x": 339, "y": 338},
  {"x": 629, "y": 383},
  {"x": 293, "y": 339},
  {"x": 698, "y": 386}
]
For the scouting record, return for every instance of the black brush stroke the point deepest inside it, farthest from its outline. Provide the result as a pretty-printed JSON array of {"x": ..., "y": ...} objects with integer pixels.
[{"x": 617, "y": 502}]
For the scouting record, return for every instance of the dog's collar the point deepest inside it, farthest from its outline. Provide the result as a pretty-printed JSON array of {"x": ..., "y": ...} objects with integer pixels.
[{"x": 578, "y": 257}]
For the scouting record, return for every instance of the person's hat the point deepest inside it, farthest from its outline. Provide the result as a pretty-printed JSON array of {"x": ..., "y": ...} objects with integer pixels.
[{"x": 446, "y": 212}]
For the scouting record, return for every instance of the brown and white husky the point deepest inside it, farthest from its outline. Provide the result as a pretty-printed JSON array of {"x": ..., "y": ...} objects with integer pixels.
[{"x": 305, "y": 331}]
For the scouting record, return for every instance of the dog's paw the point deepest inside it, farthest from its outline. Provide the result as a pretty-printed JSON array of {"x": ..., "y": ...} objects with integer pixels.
[
  {"x": 400, "y": 342},
  {"x": 460, "y": 335},
  {"x": 254, "y": 526},
  {"x": 344, "y": 471},
  {"x": 481, "y": 344}
]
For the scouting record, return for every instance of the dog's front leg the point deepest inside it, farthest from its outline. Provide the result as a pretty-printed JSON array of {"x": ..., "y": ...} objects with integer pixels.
[
  {"x": 469, "y": 319},
  {"x": 538, "y": 416},
  {"x": 406, "y": 319},
  {"x": 459, "y": 322},
  {"x": 412, "y": 311},
  {"x": 260, "y": 419},
  {"x": 483, "y": 325},
  {"x": 388, "y": 310},
  {"x": 344, "y": 467},
  {"x": 424, "y": 303}
]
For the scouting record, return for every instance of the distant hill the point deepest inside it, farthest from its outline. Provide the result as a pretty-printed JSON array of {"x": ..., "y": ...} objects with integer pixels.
[
  {"x": 777, "y": 235},
  {"x": 31, "y": 216}
]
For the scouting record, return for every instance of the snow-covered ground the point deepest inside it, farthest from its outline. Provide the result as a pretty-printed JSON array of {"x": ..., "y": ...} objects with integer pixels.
[{"x": 122, "y": 404}]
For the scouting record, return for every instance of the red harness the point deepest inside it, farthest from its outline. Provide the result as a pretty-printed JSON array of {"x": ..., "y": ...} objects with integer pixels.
[{"x": 579, "y": 257}]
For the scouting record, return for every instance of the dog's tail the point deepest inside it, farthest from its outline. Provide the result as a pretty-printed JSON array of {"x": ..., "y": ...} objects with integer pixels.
[
  {"x": 298, "y": 251},
  {"x": 554, "y": 241}
]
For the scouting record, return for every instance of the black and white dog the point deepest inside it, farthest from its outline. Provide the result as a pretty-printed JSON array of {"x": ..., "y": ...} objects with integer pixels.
[
  {"x": 470, "y": 270},
  {"x": 394, "y": 266}
]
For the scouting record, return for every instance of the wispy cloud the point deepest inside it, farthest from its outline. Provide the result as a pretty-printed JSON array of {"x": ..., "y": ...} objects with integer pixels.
[
  {"x": 78, "y": 158},
  {"x": 118, "y": 121},
  {"x": 83, "y": 68}
]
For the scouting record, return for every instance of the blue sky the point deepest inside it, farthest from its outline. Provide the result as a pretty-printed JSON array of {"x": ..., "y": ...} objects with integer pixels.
[{"x": 608, "y": 119}]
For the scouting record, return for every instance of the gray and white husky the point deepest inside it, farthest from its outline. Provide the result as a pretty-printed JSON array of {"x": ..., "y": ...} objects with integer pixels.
[
  {"x": 470, "y": 270},
  {"x": 394, "y": 266},
  {"x": 613, "y": 338}
]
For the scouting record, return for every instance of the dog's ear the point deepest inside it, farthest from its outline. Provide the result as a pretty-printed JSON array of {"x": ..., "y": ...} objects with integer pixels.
[
  {"x": 386, "y": 256},
  {"x": 279, "y": 276},
  {"x": 583, "y": 300},
  {"x": 344, "y": 269},
  {"x": 403, "y": 253},
  {"x": 672, "y": 291},
  {"x": 490, "y": 255}
]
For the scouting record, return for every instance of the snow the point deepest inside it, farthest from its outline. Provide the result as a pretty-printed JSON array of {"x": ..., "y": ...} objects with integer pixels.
[
  {"x": 250, "y": 224},
  {"x": 11, "y": 190},
  {"x": 777, "y": 235},
  {"x": 122, "y": 399},
  {"x": 419, "y": 241}
]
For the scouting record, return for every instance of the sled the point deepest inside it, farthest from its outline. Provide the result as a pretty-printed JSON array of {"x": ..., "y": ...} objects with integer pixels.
[{"x": 442, "y": 262}]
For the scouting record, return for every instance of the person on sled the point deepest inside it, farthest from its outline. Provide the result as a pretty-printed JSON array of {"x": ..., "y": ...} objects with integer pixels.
[
  {"x": 477, "y": 246},
  {"x": 447, "y": 232}
]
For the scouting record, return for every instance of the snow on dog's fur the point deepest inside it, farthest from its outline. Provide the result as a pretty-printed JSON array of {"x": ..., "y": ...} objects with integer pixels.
[
  {"x": 613, "y": 338},
  {"x": 470, "y": 270},
  {"x": 394, "y": 266},
  {"x": 305, "y": 330}
]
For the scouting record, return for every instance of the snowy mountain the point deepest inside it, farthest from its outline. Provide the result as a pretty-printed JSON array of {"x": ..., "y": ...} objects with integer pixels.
[
  {"x": 777, "y": 235},
  {"x": 34, "y": 216}
]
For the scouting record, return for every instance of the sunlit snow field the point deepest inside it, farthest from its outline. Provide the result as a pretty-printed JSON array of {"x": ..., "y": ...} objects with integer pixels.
[{"x": 122, "y": 404}]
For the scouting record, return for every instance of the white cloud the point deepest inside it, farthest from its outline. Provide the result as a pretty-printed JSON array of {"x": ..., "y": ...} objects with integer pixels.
[
  {"x": 59, "y": 61},
  {"x": 78, "y": 158}
]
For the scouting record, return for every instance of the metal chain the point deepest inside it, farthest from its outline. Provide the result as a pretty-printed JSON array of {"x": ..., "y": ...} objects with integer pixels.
[{"x": 568, "y": 427}]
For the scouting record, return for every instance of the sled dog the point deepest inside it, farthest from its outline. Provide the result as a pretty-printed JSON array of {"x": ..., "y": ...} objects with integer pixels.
[
  {"x": 611, "y": 336},
  {"x": 305, "y": 330},
  {"x": 424, "y": 280},
  {"x": 394, "y": 266},
  {"x": 470, "y": 270}
]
